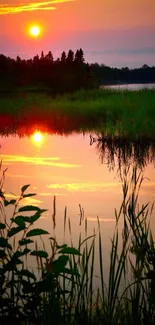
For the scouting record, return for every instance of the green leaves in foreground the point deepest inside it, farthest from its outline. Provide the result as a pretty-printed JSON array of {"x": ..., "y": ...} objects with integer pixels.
[
  {"x": 2, "y": 225},
  {"x": 69, "y": 250},
  {"x": 6, "y": 202},
  {"x": 4, "y": 243},
  {"x": 37, "y": 232},
  {"x": 20, "y": 288},
  {"x": 20, "y": 220},
  {"x": 24, "y": 188},
  {"x": 27, "y": 274},
  {"x": 14, "y": 230},
  {"x": 39, "y": 253},
  {"x": 25, "y": 242},
  {"x": 58, "y": 266},
  {"x": 29, "y": 208}
]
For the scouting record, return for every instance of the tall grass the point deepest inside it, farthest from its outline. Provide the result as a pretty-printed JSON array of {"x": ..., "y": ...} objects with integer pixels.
[
  {"x": 61, "y": 289},
  {"x": 127, "y": 113}
]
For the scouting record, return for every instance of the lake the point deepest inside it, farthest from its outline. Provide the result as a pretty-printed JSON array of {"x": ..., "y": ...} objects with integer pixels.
[
  {"x": 79, "y": 170},
  {"x": 131, "y": 86}
]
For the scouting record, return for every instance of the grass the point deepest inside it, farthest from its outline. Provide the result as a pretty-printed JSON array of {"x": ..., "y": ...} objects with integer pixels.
[
  {"x": 61, "y": 289},
  {"x": 127, "y": 113}
]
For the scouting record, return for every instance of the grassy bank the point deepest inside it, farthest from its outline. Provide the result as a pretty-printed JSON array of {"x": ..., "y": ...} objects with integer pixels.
[
  {"x": 127, "y": 113},
  {"x": 61, "y": 289}
]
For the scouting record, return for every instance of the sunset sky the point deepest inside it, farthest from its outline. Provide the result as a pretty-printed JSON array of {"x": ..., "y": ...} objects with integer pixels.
[{"x": 114, "y": 32}]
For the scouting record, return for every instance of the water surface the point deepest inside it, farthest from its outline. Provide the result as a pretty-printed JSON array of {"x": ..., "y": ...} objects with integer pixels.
[
  {"x": 132, "y": 86},
  {"x": 78, "y": 170}
]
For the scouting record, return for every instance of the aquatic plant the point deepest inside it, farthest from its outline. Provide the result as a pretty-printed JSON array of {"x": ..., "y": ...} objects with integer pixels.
[{"x": 59, "y": 286}]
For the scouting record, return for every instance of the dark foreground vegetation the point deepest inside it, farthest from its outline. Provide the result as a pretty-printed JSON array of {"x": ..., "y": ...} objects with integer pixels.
[
  {"x": 61, "y": 288},
  {"x": 129, "y": 114},
  {"x": 67, "y": 73}
]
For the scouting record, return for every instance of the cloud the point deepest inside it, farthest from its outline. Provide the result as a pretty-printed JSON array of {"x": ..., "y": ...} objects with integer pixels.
[
  {"x": 125, "y": 51},
  {"x": 30, "y": 201},
  {"x": 48, "y": 161},
  {"x": 11, "y": 196},
  {"x": 51, "y": 194},
  {"x": 30, "y": 6},
  {"x": 85, "y": 187}
]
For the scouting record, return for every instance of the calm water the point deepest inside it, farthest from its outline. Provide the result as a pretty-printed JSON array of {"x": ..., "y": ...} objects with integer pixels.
[
  {"x": 78, "y": 170},
  {"x": 132, "y": 86}
]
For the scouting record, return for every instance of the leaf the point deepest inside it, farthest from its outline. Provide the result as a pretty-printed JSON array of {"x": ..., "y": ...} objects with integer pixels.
[
  {"x": 29, "y": 195},
  {"x": 28, "y": 208},
  {"x": 70, "y": 271},
  {"x": 69, "y": 250},
  {"x": 37, "y": 232},
  {"x": 25, "y": 242},
  {"x": 19, "y": 221},
  {"x": 61, "y": 246},
  {"x": 39, "y": 253},
  {"x": 27, "y": 219},
  {"x": 6, "y": 202},
  {"x": 4, "y": 243},
  {"x": 13, "y": 231},
  {"x": 52, "y": 238},
  {"x": 46, "y": 285},
  {"x": 28, "y": 274},
  {"x": 11, "y": 265},
  {"x": 58, "y": 266},
  {"x": 12, "y": 202},
  {"x": 27, "y": 286},
  {"x": 2, "y": 254},
  {"x": 33, "y": 218},
  {"x": 2, "y": 225},
  {"x": 21, "y": 253},
  {"x": 24, "y": 188}
]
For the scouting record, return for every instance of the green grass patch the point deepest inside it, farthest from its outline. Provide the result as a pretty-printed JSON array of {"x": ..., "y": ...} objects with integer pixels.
[{"x": 127, "y": 113}]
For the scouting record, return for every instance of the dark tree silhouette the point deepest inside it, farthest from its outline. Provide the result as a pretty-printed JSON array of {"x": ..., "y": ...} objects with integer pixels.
[
  {"x": 79, "y": 56},
  {"x": 70, "y": 57},
  {"x": 63, "y": 57},
  {"x": 65, "y": 74}
]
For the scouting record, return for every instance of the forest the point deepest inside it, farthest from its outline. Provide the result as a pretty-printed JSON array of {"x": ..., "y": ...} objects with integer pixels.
[{"x": 67, "y": 73}]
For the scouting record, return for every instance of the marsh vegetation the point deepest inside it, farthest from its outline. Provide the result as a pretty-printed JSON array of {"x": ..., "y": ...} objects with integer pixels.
[{"x": 129, "y": 114}]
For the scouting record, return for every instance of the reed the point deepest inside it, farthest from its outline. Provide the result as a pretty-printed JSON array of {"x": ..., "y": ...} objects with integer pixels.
[
  {"x": 127, "y": 113},
  {"x": 61, "y": 288}
]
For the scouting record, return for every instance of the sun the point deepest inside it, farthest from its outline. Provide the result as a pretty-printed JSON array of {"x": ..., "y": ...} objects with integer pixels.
[
  {"x": 35, "y": 31},
  {"x": 37, "y": 137}
]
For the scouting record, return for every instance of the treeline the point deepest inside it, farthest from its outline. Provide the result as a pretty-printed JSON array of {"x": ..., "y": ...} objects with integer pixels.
[
  {"x": 67, "y": 73},
  {"x": 107, "y": 75}
]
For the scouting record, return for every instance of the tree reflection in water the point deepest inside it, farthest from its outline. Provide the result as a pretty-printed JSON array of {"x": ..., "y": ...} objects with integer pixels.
[{"x": 117, "y": 151}]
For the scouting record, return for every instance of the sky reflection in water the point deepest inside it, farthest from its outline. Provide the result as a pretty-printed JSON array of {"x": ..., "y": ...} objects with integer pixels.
[{"x": 76, "y": 173}]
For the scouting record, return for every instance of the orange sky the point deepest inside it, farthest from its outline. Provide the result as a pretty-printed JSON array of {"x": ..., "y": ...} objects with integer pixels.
[{"x": 94, "y": 25}]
